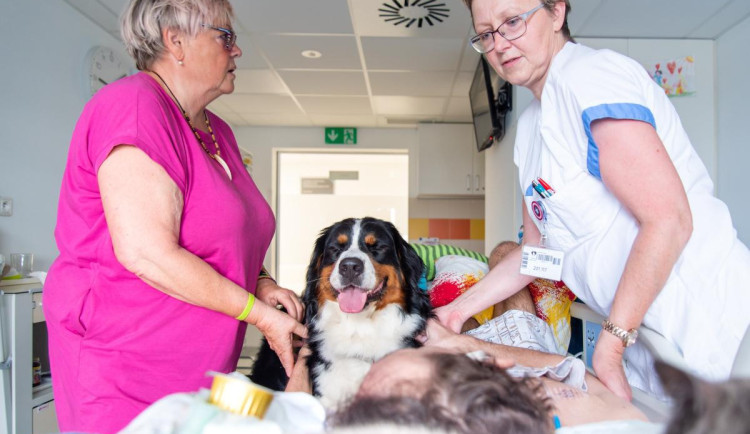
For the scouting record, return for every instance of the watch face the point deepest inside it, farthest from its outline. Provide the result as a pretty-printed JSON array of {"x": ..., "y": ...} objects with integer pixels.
[
  {"x": 631, "y": 337},
  {"x": 105, "y": 66}
]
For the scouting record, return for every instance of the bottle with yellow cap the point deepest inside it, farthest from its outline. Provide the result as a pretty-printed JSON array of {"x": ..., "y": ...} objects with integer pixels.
[{"x": 239, "y": 395}]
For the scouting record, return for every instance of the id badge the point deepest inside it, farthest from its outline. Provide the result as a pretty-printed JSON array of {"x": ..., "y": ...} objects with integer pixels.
[{"x": 542, "y": 262}]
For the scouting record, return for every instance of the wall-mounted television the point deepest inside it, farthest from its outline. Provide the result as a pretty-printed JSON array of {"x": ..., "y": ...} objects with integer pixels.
[{"x": 490, "y": 99}]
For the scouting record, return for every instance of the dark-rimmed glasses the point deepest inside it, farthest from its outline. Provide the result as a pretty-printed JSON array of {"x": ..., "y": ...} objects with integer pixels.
[
  {"x": 229, "y": 37},
  {"x": 513, "y": 28}
]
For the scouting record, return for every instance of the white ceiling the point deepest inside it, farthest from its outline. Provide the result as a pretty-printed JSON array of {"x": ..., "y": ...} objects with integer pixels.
[{"x": 379, "y": 68}]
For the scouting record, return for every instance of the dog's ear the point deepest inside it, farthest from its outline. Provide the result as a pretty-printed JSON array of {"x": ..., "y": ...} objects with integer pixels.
[
  {"x": 309, "y": 297},
  {"x": 410, "y": 262},
  {"x": 702, "y": 406},
  {"x": 413, "y": 268},
  {"x": 676, "y": 382},
  {"x": 688, "y": 393}
]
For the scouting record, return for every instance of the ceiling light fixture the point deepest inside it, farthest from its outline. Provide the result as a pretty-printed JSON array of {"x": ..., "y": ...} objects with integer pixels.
[
  {"x": 418, "y": 11},
  {"x": 311, "y": 54}
]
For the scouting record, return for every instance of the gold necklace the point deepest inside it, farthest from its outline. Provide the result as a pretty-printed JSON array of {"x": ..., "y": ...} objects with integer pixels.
[{"x": 217, "y": 156}]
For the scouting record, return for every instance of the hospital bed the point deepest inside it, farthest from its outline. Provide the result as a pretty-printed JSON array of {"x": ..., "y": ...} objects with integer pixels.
[{"x": 655, "y": 409}]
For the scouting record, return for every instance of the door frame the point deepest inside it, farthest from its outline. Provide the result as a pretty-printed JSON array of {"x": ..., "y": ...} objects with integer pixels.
[{"x": 275, "y": 152}]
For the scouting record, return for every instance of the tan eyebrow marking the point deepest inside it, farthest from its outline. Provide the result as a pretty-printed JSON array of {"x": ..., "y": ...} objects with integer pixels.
[
  {"x": 370, "y": 239},
  {"x": 342, "y": 239}
]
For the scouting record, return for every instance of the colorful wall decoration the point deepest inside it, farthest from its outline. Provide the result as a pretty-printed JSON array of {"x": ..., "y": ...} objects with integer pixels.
[{"x": 676, "y": 77}]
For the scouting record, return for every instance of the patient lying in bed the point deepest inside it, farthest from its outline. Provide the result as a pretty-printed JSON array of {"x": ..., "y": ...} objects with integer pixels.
[
  {"x": 512, "y": 380},
  {"x": 524, "y": 390},
  {"x": 460, "y": 384}
]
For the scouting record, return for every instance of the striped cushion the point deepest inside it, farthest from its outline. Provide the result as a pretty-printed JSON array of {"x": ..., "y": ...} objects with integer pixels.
[{"x": 430, "y": 254}]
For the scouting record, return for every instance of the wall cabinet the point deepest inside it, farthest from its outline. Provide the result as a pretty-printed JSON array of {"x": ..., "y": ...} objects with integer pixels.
[
  {"x": 24, "y": 408},
  {"x": 449, "y": 164}
]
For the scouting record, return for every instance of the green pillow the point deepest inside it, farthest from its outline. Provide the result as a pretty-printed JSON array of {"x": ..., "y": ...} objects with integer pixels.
[{"x": 430, "y": 253}]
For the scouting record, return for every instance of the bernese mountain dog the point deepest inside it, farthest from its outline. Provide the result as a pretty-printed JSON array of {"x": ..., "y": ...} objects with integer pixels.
[{"x": 362, "y": 301}]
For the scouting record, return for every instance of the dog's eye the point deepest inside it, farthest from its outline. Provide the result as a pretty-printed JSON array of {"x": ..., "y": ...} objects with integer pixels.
[
  {"x": 333, "y": 249},
  {"x": 378, "y": 248}
]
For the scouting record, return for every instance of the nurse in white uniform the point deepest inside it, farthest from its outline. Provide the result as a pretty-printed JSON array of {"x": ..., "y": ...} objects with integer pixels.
[{"x": 618, "y": 204}]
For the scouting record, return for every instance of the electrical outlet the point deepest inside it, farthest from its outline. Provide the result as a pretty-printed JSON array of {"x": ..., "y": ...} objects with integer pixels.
[{"x": 6, "y": 206}]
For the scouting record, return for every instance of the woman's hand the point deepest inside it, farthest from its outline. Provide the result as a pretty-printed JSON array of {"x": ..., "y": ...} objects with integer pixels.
[
  {"x": 607, "y": 363},
  {"x": 451, "y": 318},
  {"x": 278, "y": 328},
  {"x": 436, "y": 334},
  {"x": 273, "y": 295}
]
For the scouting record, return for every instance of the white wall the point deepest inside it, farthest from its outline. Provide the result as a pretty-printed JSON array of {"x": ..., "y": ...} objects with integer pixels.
[
  {"x": 733, "y": 95},
  {"x": 502, "y": 198},
  {"x": 697, "y": 112},
  {"x": 260, "y": 141},
  {"x": 43, "y": 51}
]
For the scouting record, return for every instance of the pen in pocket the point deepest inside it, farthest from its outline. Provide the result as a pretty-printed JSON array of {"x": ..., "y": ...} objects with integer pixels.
[
  {"x": 539, "y": 189},
  {"x": 550, "y": 191}
]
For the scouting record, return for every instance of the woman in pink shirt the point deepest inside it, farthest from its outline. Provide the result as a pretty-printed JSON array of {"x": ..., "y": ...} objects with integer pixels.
[{"x": 161, "y": 230}]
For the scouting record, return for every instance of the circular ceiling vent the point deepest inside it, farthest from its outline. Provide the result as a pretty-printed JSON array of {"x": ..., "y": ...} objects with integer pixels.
[{"x": 419, "y": 11}]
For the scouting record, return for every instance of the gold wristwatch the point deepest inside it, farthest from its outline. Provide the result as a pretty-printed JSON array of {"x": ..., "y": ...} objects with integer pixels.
[{"x": 628, "y": 337}]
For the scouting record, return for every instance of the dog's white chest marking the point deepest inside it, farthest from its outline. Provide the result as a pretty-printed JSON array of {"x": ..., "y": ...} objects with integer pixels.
[{"x": 352, "y": 342}]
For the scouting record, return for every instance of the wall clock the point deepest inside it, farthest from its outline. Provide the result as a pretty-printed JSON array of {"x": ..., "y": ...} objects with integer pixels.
[{"x": 103, "y": 66}]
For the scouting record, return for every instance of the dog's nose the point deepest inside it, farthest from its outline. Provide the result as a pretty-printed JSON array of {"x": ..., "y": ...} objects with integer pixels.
[{"x": 351, "y": 269}]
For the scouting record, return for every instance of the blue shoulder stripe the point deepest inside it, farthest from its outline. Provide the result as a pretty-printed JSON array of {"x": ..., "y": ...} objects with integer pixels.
[{"x": 611, "y": 111}]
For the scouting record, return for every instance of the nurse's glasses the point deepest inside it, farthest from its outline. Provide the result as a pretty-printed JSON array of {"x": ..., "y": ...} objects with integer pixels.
[{"x": 511, "y": 29}]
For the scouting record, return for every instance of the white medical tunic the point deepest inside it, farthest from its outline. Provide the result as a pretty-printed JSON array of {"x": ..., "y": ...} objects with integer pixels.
[{"x": 702, "y": 308}]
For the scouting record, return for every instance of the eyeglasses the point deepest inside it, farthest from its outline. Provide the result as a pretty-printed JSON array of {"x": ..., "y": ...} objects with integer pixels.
[
  {"x": 511, "y": 29},
  {"x": 229, "y": 37}
]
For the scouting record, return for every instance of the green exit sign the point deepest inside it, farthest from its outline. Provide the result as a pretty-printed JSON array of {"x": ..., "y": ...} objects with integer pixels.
[{"x": 341, "y": 136}]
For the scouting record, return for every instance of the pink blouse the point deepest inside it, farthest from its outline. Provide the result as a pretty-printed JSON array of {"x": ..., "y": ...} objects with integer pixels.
[{"x": 116, "y": 343}]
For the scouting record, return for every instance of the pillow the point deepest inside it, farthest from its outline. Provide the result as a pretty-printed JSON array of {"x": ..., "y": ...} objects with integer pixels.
[
  {"x": 453, "y": 276},
  {"x": 431, "y": 253}
]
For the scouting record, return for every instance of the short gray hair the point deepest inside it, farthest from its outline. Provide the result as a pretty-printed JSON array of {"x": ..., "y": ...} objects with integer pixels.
[
  {"x": 549, "y": 5},
  {"x": 142, "y": 22}
]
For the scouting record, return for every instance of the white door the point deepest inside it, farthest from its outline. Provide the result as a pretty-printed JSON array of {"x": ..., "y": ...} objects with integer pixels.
[{"x": 318, "y": 188}]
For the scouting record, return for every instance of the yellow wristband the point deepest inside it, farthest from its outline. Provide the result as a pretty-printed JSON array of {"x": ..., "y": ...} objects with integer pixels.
[{"x": 248, "y": 308}]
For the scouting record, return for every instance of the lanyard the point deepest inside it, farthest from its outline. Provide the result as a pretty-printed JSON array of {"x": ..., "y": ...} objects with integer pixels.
[{"x": 541, "y": 261}]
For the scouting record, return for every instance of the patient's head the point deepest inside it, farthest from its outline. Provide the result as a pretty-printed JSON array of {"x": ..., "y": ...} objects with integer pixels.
[
  {"x": 704, "y": 407},
  {"x": 404, "y": 372},
  {"x": 450, "y": 392}
]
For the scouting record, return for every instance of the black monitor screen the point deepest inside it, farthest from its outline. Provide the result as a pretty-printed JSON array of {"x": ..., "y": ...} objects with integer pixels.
[{"x": 484, "y": 110}]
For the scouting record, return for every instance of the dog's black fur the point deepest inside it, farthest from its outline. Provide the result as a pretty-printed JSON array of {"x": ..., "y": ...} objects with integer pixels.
[{"x": 397, "y": 270}]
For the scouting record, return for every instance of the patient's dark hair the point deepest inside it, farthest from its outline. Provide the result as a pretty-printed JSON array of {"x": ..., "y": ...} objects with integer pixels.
[{"x": 465, "y": 396}]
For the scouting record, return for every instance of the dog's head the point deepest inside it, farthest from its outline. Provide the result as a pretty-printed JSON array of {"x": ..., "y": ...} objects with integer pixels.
[{"x": 363, "y": 262}]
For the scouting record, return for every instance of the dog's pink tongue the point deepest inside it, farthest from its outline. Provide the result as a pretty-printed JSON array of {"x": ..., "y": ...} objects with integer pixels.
[{"x": 352, "y": 300}]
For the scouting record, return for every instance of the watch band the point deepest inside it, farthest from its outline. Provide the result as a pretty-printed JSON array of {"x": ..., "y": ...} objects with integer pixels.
[{"x": 628, "y": 337}]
